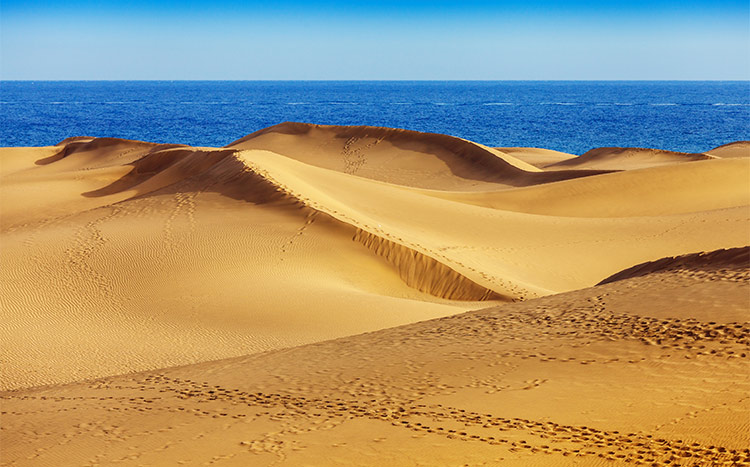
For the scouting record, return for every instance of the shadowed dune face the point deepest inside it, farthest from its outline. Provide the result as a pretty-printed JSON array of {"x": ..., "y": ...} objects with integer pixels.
[
  {"x": 204, "y": 253},
  {"x": 715, "y": 263},
  {"x": 115, "y": 148},
  {"x": 163, "y": 167}
]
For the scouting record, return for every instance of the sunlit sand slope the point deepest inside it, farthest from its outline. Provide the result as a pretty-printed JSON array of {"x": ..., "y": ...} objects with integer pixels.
[
  {"x": 657, "y": 191},
  {"x": 647, "y": 370},
  {"x": 736, "y": 149},
  {"x": 537, "y": 157},
  {"x": 122, "y": 256},
  {"x": 626, "y": 158},
  {"x": 513, "y": 252}
]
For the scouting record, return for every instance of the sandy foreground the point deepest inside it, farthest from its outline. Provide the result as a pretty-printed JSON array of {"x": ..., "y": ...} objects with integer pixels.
[{"x": 303, "y": 296}]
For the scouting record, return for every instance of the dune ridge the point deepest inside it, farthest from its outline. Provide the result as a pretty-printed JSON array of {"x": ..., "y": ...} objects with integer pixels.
[
  {"x": 474, "y": 152},
  {"x": 232, "y": 174},
  {"x": 418, "y": 269},
  {"x": 706, "y": 263}
]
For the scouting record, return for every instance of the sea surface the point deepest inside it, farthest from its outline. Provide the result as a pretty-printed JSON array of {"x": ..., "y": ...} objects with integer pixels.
[{"x": 570, "y": 116}]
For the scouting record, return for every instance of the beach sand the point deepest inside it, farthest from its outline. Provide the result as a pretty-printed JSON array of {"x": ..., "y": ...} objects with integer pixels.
[{"x": 304, "y": 296}]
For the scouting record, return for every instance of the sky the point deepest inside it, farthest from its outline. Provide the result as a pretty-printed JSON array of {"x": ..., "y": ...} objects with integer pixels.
[{"x": 385, "y": 40}]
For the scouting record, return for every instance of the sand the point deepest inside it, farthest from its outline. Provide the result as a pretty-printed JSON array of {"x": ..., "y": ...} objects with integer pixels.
[
  {"x": 538, "y": 157},
  {"x": 736, "y": 149},
  {"x": 303, "y": 296}
]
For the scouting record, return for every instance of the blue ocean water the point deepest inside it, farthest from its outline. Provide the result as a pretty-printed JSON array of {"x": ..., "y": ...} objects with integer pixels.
[{"x": 567, "y": 116}]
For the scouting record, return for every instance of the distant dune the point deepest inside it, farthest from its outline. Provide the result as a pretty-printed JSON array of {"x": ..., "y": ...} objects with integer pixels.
[
  {"x": 537, "y": 157},
  {"x": 121, "y": 256},
  {"x": 736, "y": 149},
  {"x": 625, "y": 159}
]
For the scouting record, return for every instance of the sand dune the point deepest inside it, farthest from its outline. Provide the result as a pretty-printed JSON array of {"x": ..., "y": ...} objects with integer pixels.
[
  {"x": 589, "y": 377},
  {"x": 124, "y": 256},
  {"x": 658, "y": 191},
  {"x": 538, "y": 157},
  {"x": 424, "y": 160},
  {"x": 626, "y": 159},
  {"x": 736, "y": 149},
  {"x": 731, "y": 264}
]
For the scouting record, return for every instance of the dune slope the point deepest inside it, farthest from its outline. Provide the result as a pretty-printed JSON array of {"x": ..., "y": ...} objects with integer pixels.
[
  {"x": 657, "y": 191},
  {"x": 735, "y": 149},
  {"x": 538, "y": 157},
  {"x": 647, "y": 370},
  {"x": 626, "y": 159}
]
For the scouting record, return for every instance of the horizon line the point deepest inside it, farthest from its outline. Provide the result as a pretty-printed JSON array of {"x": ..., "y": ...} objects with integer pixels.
[{"x": 374, "y": 80}]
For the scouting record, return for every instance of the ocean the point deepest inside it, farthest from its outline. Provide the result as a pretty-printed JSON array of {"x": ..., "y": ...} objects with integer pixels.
[{"x": 570, "y": 116}]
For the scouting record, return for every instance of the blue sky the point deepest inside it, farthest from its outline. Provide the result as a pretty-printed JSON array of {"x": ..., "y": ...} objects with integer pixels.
[{"x": 333, "y": 39}]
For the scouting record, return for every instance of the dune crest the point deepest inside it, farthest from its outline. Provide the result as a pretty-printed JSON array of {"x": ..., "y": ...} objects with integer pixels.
[
  {"x": 229, "y": 173},
  {"x": 715, "y": 264}
]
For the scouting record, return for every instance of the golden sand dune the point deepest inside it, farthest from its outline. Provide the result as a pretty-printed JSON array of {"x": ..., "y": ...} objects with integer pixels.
[
  {"x": 736, "y": 149},
  {"x": 731, "y": 264},
  {"x": 538, "y": 157},
  {"x": 124, "y": 256},
  {"x": 625, "y": 159},
  {"x": 656, "y": 191},
  {"x": 650, "y": 370}
]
